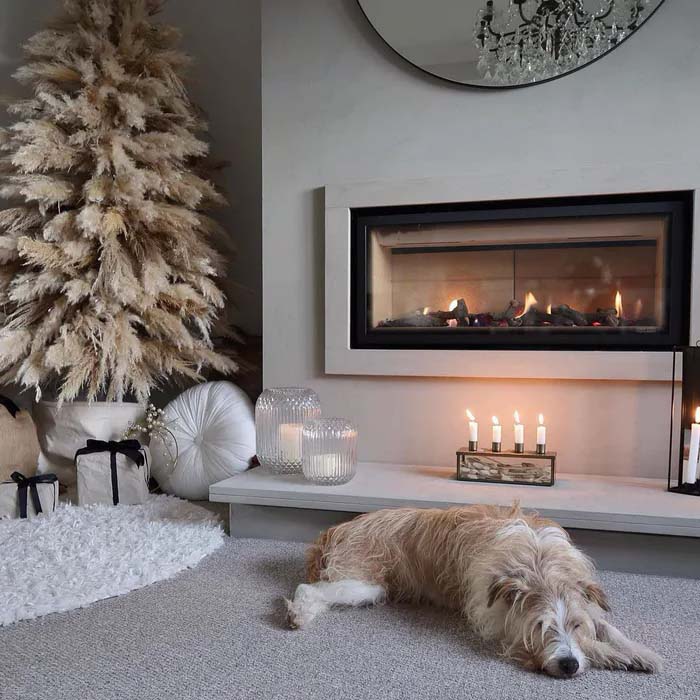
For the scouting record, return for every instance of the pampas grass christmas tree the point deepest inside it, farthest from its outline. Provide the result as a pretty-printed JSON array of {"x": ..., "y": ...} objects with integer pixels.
[{"x": 106, "y": 264}]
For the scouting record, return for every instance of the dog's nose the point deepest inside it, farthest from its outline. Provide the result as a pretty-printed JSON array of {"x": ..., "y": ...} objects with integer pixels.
[{"x": 568, "y": 665}]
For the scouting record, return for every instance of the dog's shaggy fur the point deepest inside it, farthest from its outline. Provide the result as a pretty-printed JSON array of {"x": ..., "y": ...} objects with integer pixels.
[{"x": 516, "y": 578}]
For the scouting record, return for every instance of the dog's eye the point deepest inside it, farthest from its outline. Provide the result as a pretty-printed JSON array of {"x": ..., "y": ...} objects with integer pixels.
[{"x": 576, "y": 626}]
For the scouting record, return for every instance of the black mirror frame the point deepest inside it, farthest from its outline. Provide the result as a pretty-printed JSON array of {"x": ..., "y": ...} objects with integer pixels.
[{"x": 502, "y": 87}]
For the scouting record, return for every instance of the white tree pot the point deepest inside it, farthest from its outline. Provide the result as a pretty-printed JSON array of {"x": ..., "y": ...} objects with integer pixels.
[{"x": 64, "y": 431}]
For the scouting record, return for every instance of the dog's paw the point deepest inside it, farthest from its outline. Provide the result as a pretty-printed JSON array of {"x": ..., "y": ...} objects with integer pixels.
[
  {"x": 295, "y": 618},
  {"x": 292, "y": 616},
  {"x": 646, "y": 662}
]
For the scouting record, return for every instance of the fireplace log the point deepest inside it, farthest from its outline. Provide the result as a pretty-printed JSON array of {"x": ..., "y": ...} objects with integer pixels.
[
  {"x": 532, "y": 317},
  {"x": 512, "y": 309},
  {"x": 610, "y": 317},
  {"x": 566, "y": 311},
  {"x": 460, "y": 313},
  {"x": 509, "y": 314},
  {"x": 415, "y": 320},
  {"x": 561, "y": 321},
  {"x": 604, "y": 317}
]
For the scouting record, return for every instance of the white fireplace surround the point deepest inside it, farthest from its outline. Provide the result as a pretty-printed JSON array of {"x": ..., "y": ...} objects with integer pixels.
[{"x": 340, "y": 358}]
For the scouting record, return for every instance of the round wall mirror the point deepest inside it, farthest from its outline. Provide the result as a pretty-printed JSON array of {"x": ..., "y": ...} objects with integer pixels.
[{"x": 505, "y": 43}]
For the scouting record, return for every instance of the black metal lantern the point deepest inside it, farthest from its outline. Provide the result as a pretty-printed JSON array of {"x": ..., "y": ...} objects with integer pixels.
[{"x": 684, "y": 442}]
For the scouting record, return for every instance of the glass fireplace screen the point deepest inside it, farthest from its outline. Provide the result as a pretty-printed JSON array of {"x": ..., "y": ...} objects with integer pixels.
[{"x": 575, "y": 274}]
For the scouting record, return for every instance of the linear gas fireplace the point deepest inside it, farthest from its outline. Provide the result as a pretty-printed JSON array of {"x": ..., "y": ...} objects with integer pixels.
[{"x": 605, "y": 272}]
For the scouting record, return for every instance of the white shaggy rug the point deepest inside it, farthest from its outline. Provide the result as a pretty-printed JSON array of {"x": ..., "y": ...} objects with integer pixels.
[{"x": 78, "y": 555}]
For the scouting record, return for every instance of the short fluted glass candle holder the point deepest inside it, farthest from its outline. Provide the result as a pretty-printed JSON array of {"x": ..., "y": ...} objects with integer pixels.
[
  {"x": 279, "y": 418},
  {"x": 329, "y": 446}
]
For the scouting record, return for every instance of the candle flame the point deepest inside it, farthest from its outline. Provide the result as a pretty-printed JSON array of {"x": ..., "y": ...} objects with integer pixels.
[
  {"x": 549, "y": 309},
  {"x": 495, "y": 420},
  {"x": 697, "y": 414},
  {"x": 453, "y": 305},
  {"x": 618, "y": 304},
  {"x": 516, "y": 417},
  {"x": 470, "y": 415},
  {"x": 530, "y": 301},
  {"x": 540, "y": 419}
]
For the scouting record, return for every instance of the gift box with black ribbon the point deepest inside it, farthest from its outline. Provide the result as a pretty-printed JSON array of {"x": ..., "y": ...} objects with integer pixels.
[
  {"x": 113, "y": 472},
  {"x": 28, "y": 496}
]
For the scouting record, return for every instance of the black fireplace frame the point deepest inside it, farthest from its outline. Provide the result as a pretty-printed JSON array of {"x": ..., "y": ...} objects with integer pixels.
[{"x": 677, "y": 206}]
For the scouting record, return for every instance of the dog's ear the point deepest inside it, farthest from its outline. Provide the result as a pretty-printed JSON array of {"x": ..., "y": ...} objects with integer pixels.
[
  {"x": 595, "y": 594},
  {"x": 507, "y": 588}
]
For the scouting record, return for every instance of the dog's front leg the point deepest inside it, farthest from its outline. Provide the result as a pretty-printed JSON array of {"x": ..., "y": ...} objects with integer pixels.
[
  {"x": 603, "y": 655},
  {"x": 310, "y": 599},
  {"x": 613, "y": 650}
]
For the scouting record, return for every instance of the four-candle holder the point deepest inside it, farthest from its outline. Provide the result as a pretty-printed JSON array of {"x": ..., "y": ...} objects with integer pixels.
[{"x": 526, "y": 468}]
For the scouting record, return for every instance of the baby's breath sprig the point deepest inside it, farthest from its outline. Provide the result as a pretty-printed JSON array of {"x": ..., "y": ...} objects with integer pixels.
[{"x": 155, "y": 426}]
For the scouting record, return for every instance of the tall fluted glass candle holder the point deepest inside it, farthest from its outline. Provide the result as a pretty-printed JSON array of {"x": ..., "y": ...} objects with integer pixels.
[
  {"x": 329, "y": 446},
  {"x": 280, "y": 413}
]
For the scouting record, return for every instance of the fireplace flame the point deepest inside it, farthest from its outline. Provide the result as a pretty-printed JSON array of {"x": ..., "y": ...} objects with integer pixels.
[
  {"x": 549, "y": 309},
  {"x": 530, "y": 301},
  {"x": 540, "y": 419},
  {"x": 453, "y": 305},
  {"x": 470, "y": 415},
  {"x": 618, "y": 304},
  {"x": 697, "y": 414},
  {"x": 495, "y": 420},
  {"x": 426, "y": 310},
  {"x": 516, "y": 418}
]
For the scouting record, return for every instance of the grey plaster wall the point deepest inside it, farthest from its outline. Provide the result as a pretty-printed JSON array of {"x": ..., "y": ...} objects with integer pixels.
[{"x": 339, "y": 106}]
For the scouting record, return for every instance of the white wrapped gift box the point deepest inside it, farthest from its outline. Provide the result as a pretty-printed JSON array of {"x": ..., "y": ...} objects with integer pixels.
[
  {"x": 113, "y": 475},
  {"x": 25, "y": 493}
]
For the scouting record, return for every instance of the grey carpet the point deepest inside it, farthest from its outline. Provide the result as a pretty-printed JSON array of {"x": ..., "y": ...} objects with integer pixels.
[{"x": 215, "y": 632}]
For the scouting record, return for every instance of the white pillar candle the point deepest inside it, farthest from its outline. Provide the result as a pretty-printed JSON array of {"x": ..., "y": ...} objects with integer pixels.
[
  {"x": 290, "y": 442},
  {"x": 690, "y": 468},
  {"x": 473, "y": 427},
  {"x": 541, "y": 431},
  {"x": 324, "y": 465},
  {"x": 518, "y": 430},
  {"x": 496, "y": 430}
]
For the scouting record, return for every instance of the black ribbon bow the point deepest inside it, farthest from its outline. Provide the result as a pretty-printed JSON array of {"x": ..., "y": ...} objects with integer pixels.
[
  {"x": 28, "y": 483},
  {"x": 129, "y": 448}
]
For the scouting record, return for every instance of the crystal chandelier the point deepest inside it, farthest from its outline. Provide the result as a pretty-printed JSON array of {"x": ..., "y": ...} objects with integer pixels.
[{"x": 538, "y": 39}]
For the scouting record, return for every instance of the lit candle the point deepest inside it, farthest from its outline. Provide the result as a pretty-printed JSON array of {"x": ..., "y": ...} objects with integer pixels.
[
  {"x": 290, "y": 442},
  {"x": 519, "y": 431},
  {"x": 324, "y": 465},
  {"x": 690, "y": 468},
  {"x": 496, "y": 435},
  {"x": 473, "y": 432},
  {"x": 541, "y": 435}
]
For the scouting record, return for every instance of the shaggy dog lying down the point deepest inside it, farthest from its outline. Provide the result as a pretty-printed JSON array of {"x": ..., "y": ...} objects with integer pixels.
[{"x": 516, "y": 578}]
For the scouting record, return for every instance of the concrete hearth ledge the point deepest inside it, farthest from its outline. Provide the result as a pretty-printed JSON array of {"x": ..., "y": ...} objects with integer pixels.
[{"x": 576, "y": 501}]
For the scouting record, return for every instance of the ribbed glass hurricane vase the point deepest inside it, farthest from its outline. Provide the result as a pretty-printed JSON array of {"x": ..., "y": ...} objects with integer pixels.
[
  {"x": 329, "y": 446},
  {"x": 279, "y": 417}
]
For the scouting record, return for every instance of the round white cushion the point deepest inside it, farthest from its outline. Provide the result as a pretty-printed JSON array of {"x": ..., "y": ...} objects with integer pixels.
[{"x": 214, "y": 426}]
